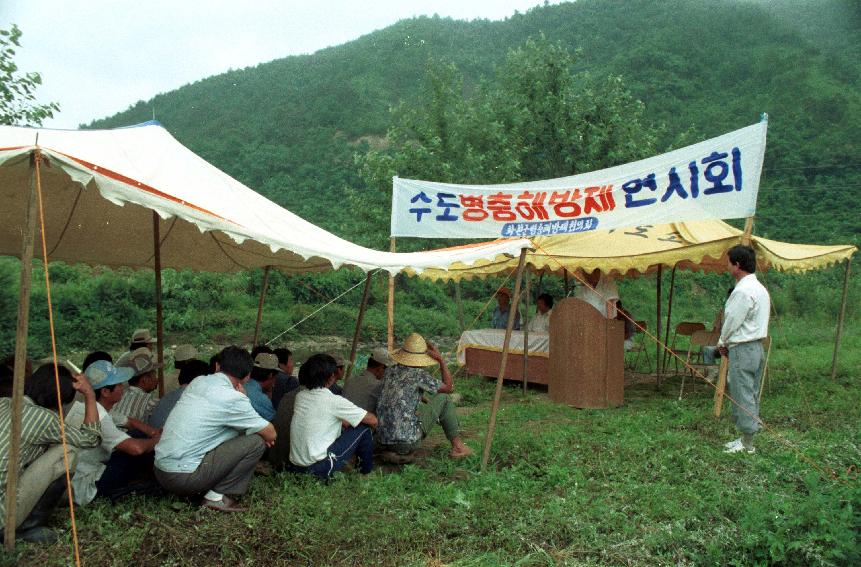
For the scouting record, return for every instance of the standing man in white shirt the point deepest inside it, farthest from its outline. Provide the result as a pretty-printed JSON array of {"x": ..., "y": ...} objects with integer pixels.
[{"x": 745, "y": 324}]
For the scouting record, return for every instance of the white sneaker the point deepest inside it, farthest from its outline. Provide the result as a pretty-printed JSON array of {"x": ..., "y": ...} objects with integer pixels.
[{"x": 737, "y": 447}]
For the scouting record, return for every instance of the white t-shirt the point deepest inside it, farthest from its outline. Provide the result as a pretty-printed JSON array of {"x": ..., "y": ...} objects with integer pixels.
[
  {"x": 316, "y": 424},
  {"x": 540, "y": 323},
  {"x": 91, "y": 462}
]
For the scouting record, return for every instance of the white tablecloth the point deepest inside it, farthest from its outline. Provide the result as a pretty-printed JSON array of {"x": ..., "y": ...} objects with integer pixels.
[{"x": 492, "y": 339}]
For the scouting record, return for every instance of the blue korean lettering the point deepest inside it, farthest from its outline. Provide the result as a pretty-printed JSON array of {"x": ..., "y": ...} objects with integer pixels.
[
  {"x": 716, "y": 171},
  {"x": 736, "y": 168},
  {"x": 675, "y": 186},
  {"x": 446, "y": 206},
  {"x": 419, "y": 211},
  {"x": 634, "y": 186}
]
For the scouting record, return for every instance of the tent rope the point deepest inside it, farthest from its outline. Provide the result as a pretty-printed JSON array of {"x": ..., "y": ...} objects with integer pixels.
[
  {"x": 38, "y": 159},
  {"x": 824, "y": 470},
  {"x": 282, "y": 333}
]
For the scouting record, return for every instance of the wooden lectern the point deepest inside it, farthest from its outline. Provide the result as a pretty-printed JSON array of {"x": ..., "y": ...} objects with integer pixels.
[{"x": 587, "y": 356}]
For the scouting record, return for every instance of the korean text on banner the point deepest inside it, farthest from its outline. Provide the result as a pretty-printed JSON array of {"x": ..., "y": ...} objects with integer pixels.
[{"x": 715, "y": 179}]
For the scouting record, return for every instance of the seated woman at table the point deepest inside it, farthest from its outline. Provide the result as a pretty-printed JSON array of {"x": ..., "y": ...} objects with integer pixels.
[
  {"x": 540, "y": 323},
  {"x": 499, "y": 319}
]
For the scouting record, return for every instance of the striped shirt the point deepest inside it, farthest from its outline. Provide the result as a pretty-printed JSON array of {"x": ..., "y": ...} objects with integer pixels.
[
  {"x": 135, "y": 403},
  {"x": 40, "y": 430}
]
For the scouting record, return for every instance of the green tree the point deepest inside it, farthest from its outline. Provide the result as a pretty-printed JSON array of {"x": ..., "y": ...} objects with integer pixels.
[{"x": 17, "y": 98}]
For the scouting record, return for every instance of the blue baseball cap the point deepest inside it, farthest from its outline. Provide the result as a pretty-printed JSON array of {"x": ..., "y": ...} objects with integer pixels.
[{"x": 102, "y": 373}]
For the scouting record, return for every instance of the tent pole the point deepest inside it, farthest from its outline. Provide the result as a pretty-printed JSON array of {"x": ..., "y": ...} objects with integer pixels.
[
  {"x": 658, "y": 354},
  {"x": 527, "y": 279},
  {"x": 260, "y": 302},
  {"x": 491, "y": 426},
  {"x": 669, "y": 316},
  {"x": 20, "y": 358},
  {"x": 840, "y": 318},
  {"x": 361, "y": 316},
  {"x": 159, "y": 312},
  {"x": 390, "y": 306},
  {"x": 748, "y": 230},
  {"x": 567, "y": 287},
  {"x": 459, "y": 301},
  {"x": 540, "y": 283}
]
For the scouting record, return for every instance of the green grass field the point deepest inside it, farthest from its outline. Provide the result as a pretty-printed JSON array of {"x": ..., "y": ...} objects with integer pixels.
[{"x": 644, "y": 484}]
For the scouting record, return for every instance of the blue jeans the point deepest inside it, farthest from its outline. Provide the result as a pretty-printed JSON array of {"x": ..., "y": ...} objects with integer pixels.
[{"x": 353, "y": 441}]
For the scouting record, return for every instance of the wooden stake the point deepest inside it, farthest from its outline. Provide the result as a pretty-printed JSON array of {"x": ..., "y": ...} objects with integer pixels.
[
  {"x": 459, "y": 302},
  {"x": 527, "y": 277},
  {"x": 840, "y": 319},
  {"x": 390, "y": 306},
  {"x": 567, "y": 286},
  {"x": 658, "y": 357},
  {"x": 359, "y": 319},
  {"x": 21, "y": 333},
  {"x": 159, "y": 312},
  {"x": 260, "y": 302},
  {"x": 721, "y": 386},
  {"x": 488, "y": 441},
  {"x": 669, "y": 318}
]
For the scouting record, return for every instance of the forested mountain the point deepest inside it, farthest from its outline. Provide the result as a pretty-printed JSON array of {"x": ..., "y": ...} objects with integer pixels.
[{"x": 290, "y": 128}]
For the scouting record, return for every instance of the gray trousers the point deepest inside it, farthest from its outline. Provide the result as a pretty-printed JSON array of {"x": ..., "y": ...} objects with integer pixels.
[
  {"x": 227, "y": 469},
  {"x": 746, "y": 363},
  {"x": 36, "y": 478}
]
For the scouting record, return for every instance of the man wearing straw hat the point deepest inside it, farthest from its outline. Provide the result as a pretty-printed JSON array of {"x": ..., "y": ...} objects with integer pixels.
[{"x": 403, "y": 420}]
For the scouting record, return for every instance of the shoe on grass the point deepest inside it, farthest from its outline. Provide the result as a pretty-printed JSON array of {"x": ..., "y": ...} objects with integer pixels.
[
  {"x": 738, "y": 447},
  {"x": 226, "y": 504}
]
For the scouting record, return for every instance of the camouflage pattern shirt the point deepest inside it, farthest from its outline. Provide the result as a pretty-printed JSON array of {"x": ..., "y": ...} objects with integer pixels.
[{"x": 396, "y": 409}]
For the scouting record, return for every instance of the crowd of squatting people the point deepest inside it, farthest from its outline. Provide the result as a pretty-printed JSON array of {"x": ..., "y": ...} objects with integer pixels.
[{"x": 205, "y": 438}]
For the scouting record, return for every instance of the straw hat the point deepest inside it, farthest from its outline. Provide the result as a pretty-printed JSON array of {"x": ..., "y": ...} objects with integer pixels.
[
  {"x": 414, "y": 352},
  {"x": 184, "y": 352},
  {"x": 143, "y": 336}
]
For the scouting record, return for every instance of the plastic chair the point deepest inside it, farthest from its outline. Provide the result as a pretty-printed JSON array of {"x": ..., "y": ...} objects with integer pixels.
[
  {"x": 639, "y": 346},
  {"x": 694, "y": 360},
  {"x": 683, "y": 329}
]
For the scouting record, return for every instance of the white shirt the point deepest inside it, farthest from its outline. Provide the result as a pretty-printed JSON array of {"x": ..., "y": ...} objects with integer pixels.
[
  {"x": 209, "y": 412},
  {"x": 605, "y": 291},
  {"x": 746, "y": 314},
  {"x": 316, "y": 424},
  {"x": 540, "y": 323},
  {"x": 91, "y": 462}
]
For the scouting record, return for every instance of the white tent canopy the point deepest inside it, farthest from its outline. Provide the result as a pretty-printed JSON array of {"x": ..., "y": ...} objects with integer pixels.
[{"x": 100, "y": 186}]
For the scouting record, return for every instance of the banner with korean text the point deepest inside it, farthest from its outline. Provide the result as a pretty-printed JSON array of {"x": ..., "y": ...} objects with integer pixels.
[{"x": 715, "y": 179}]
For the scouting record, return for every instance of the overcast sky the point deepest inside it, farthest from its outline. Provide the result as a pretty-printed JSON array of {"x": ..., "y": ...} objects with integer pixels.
[{"x": 98, "y": 57}]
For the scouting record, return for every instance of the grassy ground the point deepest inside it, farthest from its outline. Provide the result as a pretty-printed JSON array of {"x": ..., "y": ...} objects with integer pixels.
[{"x": 644, "y": 484}]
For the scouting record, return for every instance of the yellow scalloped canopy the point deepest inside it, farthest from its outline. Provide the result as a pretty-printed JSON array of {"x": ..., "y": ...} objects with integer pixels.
[{"x": 698, "y": 245}]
